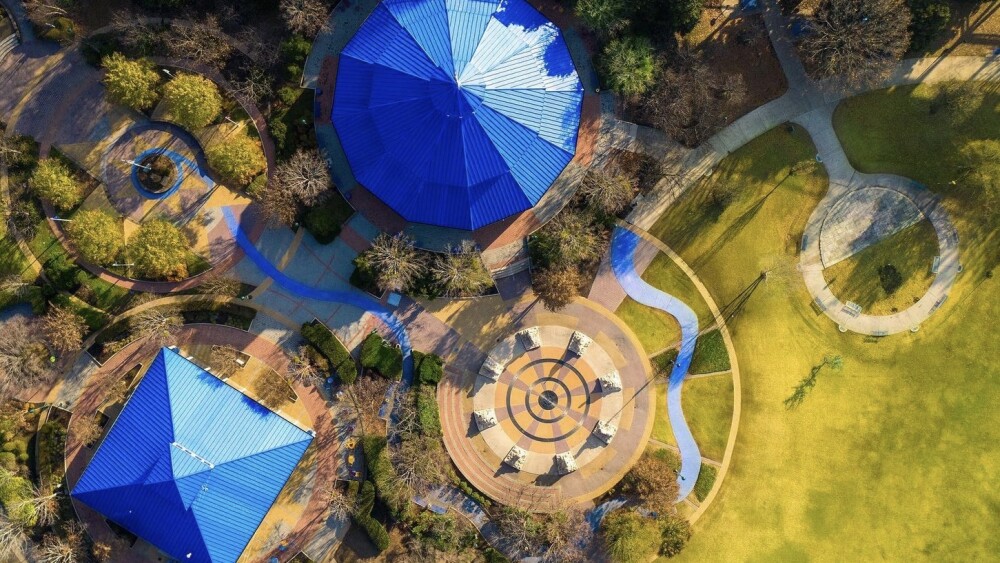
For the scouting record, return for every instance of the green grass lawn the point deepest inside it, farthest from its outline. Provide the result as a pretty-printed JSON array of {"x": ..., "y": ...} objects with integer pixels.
[
  {"x": 708, "y": 409},
  {"x": 710, "y": 354},
  {"x": 657, "y": 330},
  {"x": 894, "y": 456},
  {"x": 12, "y": 260},
  {"x": 893, "y": 131},
  {"x": 911, "y": 252}
]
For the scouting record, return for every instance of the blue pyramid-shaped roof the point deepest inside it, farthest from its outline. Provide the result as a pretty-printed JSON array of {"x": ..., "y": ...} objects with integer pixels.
[
  {"x": 457, "y": 113},
  {"x": 191, "y": 464}
]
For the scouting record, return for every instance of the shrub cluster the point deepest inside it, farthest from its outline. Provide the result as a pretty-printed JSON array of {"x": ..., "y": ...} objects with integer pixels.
[
  {"x": 382, "y": 473},
  {"x": 382, "y": 357},
  {"x": 327, "y": 343},
  {"x": 362, "y": 517},
  {"x": 429, "y": 368}
]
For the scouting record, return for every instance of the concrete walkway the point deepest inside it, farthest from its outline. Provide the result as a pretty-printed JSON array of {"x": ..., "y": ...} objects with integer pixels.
[
  {"x": 623, "y": 247},
  {"x": 811, "y": 104}
]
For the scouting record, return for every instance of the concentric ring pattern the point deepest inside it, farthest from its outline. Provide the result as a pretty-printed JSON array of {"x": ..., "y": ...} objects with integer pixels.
[{"x": 457, "y": 113}]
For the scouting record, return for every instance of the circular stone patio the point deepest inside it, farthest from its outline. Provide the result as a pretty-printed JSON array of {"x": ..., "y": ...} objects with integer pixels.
[
  {"x": 183, "y": 198},
  {"x": 548, "y": 402},
  {"x": 546, "y": 424}
]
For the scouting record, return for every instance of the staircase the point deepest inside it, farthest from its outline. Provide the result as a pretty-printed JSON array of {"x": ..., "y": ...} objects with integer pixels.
[{"x": 8, "y": 45}]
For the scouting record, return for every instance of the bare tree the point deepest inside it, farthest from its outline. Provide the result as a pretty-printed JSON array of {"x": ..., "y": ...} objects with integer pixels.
[
  {"x": 857, "y": 40},
  {"x": 88, "y": 431},
  {"x": 609, "y": 192},
  {"x": 256, "y": 46},
  {"x": 41, "y": 11},
  {"x": 64, "y": 329},
  {"x": 12, "y": 539},
  {"x": 199, "y": 39},
  {"x": 22, "y": 220},
  {"x": 117, "y": 392},
  {"x": 302, "y": 367},
  {"x": 460, "y": 270},
  {"x": 277, "y": 205},
  {"x": 421, "y": 462},
  {"x": 305, "y": 176},
  {"x": 158, "y": 324},
  {"x": 690, "y": 101},
  {"x": 394, "y": 261},
  {"x": 338, "y": 504},
  {"x": 9, "y": 149},
  {"x": 569, "y": 536},
  {"x": 45, "y": 506},
  {"x": 14, "y": 285},
  {"x": 225, "y": 360},
  {"x": 57, "y": 550},
  {"x": 23, "y": 358},
  {"x": 304, "y": 16},
  {"x": 367, "y": 394},
  {"x": 256, "y": 85},
  {"x": 217, "y": 284}
]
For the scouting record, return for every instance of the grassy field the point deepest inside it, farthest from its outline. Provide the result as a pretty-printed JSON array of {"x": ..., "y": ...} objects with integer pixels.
[
  {"x": 892, "y": 457},
  {"x": 910, "y": 251},
  {"x": 12, "y": 261},
  {"x": 708, "y": 409}
]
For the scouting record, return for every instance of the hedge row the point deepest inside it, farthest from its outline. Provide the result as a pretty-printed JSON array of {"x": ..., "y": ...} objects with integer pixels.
[
  {"x": 379, "y": 355},
  {"x": 381, "y": 471},
  {"x": 427, "y": 412},
  {"x": 362, "y": 517},
  {"x": 428, "y": 367},
  {"x": 323, "y": 340}
]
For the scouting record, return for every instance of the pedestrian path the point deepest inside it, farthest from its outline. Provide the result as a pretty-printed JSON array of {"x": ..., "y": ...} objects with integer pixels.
[
  {"x": 624, "y": 244},
  {"x": 300, "y": 289}
]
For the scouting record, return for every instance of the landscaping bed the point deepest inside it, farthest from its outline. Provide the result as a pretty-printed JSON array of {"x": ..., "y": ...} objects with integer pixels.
[{"x": 322, "y": 339}]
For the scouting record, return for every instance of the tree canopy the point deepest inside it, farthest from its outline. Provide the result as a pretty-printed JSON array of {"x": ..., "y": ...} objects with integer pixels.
[
  {"x": 97, "y": 235},
  {"x": 159, "y": 250},
  {"x": 238, "y": 158},
  {"x": 606, "y": 17},
  {"x": 630, "y": 537},
  {"x": 568, "y": 240},
  {"x": 133, "y": 83},
  {"x": 193, "y": 101},
  {"x": 857, "y": 40},
  {"x": 629, "y": 65},
  {"x": 557, "y": 286},
  {"x": 53, "y": 181},
  {"x": 673, "y": 16}
]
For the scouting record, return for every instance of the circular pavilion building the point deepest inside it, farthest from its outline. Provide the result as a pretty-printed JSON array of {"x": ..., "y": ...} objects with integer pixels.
[{"x": 456, "y": 115}]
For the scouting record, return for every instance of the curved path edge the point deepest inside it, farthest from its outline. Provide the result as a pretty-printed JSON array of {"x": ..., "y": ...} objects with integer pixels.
[
  {"x": 734, "y": 370},
  {"x": 300, "y": 289},
  {"x": 623, "y": 245}
]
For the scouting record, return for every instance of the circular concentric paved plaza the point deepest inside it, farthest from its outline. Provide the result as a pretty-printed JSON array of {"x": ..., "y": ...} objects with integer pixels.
[
  {"x": 548, "y": 401},
  {"x": 557, "y": 414}
]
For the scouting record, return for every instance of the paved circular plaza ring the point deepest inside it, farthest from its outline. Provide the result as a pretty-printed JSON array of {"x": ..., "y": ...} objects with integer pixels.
[{"x": 556, "y": 414}]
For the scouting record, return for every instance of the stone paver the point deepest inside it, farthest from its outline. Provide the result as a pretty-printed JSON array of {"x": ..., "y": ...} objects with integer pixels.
[
  {"x": 484, "y": 468},
  {"x": 863, "y": 217}
]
